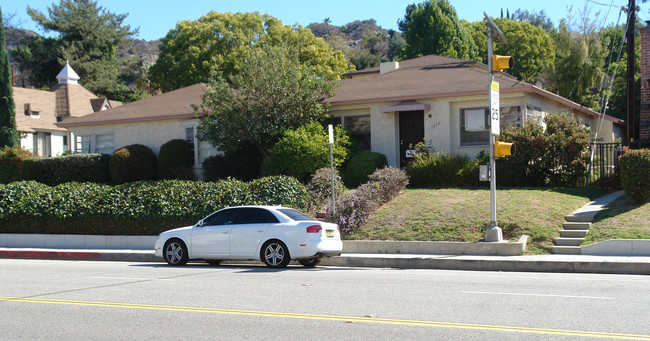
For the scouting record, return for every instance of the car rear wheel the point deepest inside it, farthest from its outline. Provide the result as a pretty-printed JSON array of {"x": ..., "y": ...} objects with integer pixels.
[
  {"x": 275, "y": 254},
  {"x": 310, "y": 263},
  {"x": 175, "y": 252}
]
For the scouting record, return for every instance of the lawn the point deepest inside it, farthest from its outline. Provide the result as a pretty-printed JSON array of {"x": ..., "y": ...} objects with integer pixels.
[
  {"x": 464, "y": 214},
  {"x": 623, "y": 219}
]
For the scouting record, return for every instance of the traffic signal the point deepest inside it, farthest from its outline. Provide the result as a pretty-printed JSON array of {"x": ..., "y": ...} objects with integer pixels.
[
  {"x": 502, "y": 149},
  {"x": 500, "y": 63}
]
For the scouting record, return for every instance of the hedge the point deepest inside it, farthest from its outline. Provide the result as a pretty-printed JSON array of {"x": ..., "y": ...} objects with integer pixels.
[
  {"x": 136, "y": 208},
  {"x": 635, "y": 174},
  {"x": 361, "y": 165},
  {"x": 354, "y": 208},
  {"x": 61, "y": 169}
]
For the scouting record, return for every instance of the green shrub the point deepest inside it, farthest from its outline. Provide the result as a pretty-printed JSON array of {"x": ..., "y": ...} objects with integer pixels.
[
  {"x": 68, "y": 168},
  {"x": 442, "y": 170},
  {"x": 353, "y": 208},
  {"x": 10, "y": 163},
  {"x": 243, "y": 165},
  {"x": 134, "y": 208},
  {"x": 132, "y": 163},
  {"x": 300, "y": 152},
  {"x": 321, "y": 185},
  {"x": 555, "y": 156},
  {"x": 361, "y": 165},
  {"x": 278, "y": 190},
  {"x": 175, "y": 160},
  {"x": 635, "y": 174}
]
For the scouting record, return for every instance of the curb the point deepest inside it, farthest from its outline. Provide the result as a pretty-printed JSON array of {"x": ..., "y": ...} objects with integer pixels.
[{"x": 546, "y": 263}]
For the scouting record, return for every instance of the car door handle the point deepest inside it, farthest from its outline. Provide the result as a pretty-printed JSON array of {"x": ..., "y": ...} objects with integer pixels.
[
  {"x": 260, "y": 231},
  {"x": 225, "y": 232}
]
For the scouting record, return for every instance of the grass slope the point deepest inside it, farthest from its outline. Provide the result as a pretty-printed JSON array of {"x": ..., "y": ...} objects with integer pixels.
[
  {"x": 464, "y": 214},
  {"x": 623, "y": 219}
]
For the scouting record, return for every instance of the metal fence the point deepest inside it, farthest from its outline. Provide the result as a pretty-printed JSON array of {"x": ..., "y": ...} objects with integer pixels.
[{"x": 604, "y": 172}]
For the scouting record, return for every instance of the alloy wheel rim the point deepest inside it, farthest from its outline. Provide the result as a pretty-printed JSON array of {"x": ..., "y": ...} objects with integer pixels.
[
  {"x": 174, "y": 253},
  {"x": 274, "y": 254}
]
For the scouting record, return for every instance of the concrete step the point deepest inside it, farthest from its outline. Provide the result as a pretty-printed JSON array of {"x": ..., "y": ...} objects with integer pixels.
[
  {"x": 566, "y": 250},
  {"x": 569, "y": 241},
  {"x": 576, "y": 225},
  {"x": 579, "y": 218},
  {"x": 573, "y": 233}
]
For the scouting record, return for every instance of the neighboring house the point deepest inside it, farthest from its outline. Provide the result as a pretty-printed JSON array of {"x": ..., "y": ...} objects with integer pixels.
[
  {"x": 38, "y": 111},
  {"x": 151, "y": 122},
  {"x": 444, "y": 101}
]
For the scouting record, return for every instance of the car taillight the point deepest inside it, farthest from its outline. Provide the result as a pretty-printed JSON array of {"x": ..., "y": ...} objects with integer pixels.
[
  {"x": 337, "y": 228},
  {"x": 314, "y": 229}
]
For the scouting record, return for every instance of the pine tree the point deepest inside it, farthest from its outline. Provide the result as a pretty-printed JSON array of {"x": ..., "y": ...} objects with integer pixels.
[{"x": 8, "y": 132}]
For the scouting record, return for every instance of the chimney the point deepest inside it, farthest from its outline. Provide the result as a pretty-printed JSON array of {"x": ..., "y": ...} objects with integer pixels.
[
  {"x": 644, "y": 125},
  {"x": 387, "y": 67}
]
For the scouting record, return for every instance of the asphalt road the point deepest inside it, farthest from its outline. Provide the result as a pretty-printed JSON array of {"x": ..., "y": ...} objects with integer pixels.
[{"x": 75, "y": 300}]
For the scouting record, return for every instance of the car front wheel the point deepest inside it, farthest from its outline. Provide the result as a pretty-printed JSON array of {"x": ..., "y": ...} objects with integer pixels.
[
  {"x": 275, "y": 254},
  {"x": 175, "y": 252}
]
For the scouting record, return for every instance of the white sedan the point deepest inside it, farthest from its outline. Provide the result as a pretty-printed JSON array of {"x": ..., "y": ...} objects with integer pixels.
[{"x": 274, "y": 235}]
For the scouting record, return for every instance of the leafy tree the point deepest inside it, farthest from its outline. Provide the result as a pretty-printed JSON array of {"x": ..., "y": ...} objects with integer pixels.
[
  {"x": 89, "y": 36},
  {"x": 539, "y": 19},
  {"x": 578, "y": 67},
  {"x": 191, "y": 51},
  {"x": 531, "y": 47},
  {"x": 270, "y": 92},
  {"x": 432, "y": 27},
  {"x": 8, "y": 133}
]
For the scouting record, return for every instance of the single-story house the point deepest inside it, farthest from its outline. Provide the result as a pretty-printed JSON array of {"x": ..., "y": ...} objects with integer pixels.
[
  {"x": 386, "y": 109},
  {"x": 443, "y": 101},
  {"x": 38, "y": 111},
  {"x": 151, "y": 122}
]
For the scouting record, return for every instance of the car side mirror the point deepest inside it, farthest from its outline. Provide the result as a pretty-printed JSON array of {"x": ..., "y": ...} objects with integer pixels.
[{"x": 200, "y": 223}]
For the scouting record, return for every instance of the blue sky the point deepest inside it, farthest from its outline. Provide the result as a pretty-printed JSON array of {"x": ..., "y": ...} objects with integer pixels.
[{"x": 156, "y": 20}]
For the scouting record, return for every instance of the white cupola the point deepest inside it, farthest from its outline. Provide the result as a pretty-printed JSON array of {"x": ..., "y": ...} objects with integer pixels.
[{"x": 67, "y": 75}]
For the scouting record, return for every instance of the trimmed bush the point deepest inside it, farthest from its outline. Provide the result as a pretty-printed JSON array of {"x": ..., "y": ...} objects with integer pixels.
[
  {"x": 175, "y": 161},
  {"x": 302, "y": 151},
  {"x": 442, "y": 170},
  {"x": 243, "y": 165},
  {"x": 635, "y": 174},
  {"x": 11, "y": 160},
  {"x": 61, "y": 169},
  {"x": 354, "y": 208},
  {"x": 134, "y": 208},
  {"x": 278, "y": 190},
  {"x": 132, "y": 163},
  {"x": 361, "y": 165}
]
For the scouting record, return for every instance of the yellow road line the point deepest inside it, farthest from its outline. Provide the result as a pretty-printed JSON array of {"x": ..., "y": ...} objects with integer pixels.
[{"x": 349, "y": 319}]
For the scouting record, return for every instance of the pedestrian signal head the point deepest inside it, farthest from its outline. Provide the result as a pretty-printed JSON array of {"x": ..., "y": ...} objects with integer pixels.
[
  {"x": 502, "y": 149},
  {"x": 500, "y": 63}
]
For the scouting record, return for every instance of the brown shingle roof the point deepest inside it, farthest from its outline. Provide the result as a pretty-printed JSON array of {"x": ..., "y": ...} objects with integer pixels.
[
  {"x": 431, "y": 77},
  {"x": 175, "y": 104},
  {"x": 424, "y": 77},
  {"x": 39, "y": 101}
]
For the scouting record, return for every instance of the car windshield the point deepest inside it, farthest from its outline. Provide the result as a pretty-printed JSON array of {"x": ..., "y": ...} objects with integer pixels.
[{"x": 295, "y": 215}]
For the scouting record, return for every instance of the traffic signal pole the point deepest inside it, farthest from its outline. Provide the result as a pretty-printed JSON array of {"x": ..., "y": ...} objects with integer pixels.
[{"x": 494, "y": 232}]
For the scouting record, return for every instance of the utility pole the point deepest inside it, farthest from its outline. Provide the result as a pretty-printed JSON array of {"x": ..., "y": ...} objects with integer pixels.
[{"x": 629, "y": 36}]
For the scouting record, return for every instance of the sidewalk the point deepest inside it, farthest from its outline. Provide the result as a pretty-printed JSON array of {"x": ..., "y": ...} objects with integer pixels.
[{"x": 539, "y": 263}]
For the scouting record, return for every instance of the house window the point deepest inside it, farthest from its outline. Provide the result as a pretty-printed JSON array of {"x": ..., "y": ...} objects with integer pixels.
[
  {"x": 359, "y": 129},
  {"x": 104, "y": 144},
  {"x": 190, "y": 138},
  {"x": 82, "y": 144},
  {"x": 474, "y": 127},
  {"x": 475, "y": 124}
]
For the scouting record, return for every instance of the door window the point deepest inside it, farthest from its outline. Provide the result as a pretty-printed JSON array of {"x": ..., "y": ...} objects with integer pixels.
[
  {"x": 224, "y": 217},
  {"x": 256, "y": 216}
]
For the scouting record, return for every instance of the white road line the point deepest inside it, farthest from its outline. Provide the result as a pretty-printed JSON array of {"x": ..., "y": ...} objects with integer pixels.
[{"x": 539, "y": 295}]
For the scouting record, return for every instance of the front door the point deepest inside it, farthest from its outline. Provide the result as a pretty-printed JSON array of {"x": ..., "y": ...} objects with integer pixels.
[{"x": 411, "y": 132}]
